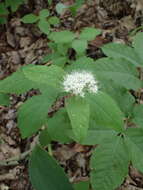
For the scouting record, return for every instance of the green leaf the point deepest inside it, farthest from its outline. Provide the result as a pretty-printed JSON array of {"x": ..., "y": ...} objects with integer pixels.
[
  {"x": 46, "y": 173},
  {"x": 109, "y": 164},
  {"x": 59, "y": 125},
  {"x": 49, "y": 2},
  {"x": 3, "y": 20},
  {"x": 44, "y": 26},
  {"x": 138, "y": 44},
  {"x": 118, "y": 70},
  {"x": 4, "y": 100},
  {"x": 17, "y": 83},
  {"x": 54, "y": 20},
  {"x": 138, "y": 115},
  {"x": 30, "y": 18},
  {"x": 134, "y": 142},
  {"x": 78, "y": 112},
  {"x": 79, "y": 46},
  {"x": 123, "y": 98},
  {"x": 83, "y": 185},
  {"x": 83, "y": 60},
  {"x": 44, "y": 138},
  {"x": 62, "y": 49},
  {"x": 44, "y": 13},
  {"x": 64, "y": 36},
  {"x": 89, "y": 33},
  {"x": 3, "y": 9},
  {"x": 60, "y": 61},
  {"x": 117, "y": 50},
  {"x": 14, "y": 4},
  {"x": 98, "y": 136},
  {"x": 60, "y": 8},
  {"x": 48, "y": 75},
  {"x": 104, "y": 112},
  {"x": 34, "y": 112}
]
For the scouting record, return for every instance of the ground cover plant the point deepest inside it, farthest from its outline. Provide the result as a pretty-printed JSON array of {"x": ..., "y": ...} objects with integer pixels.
[
  {"x": 98, "y": 109},
  {"x": 4, "y": 8},
  {"x": 78, "y": 100}
]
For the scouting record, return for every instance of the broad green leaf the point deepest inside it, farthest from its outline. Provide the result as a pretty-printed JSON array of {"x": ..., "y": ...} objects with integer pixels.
[
  {"x": 138, "y": 44},
  {"x": 119, "y": 70},
  {"x": 64, "y": 36},
  {"x": 34, "y": 112},
  {"x": 3, "y": 20},
  {"x": 89, "y": 33},
  {"x": 45, "y": 173},
  {"x": 138, "y": 115},
  {"x": 60, "y": 8},
  {"x": 48, "y": 75},
  {"x": 3, "y": 9},
  {"x": 79, "y": 65},
  {"x": 60, "y": 61},
  {"x": 59, "y": 125},
  {"x": 62, "y": 49},
  {"x": 98, "y": 136},
  {"x": 47, "y": 58},
  {"x": 83, "y": 185},
  {"x": 44, "y": 13},
  {"x": 109, "y": 164},
  {"x": 104, "y": 112},
  {"x": 44, "y": 26},
  {"x": 54, "y": 20},
  {"x": 117, "y": 50},
  {"x": 83, "y": 60},
  {"x": 44, "y": 138},
  {"x": 16, "y": 83},
  {"x": 4, "y": 100},
  {"x": 134, "y": 142},
  {"x": 79, "y": 46},
  {"x": 30, "y": 18},
  {"x": 78, "y": 112},
  {"x": 123, "y": 98}
]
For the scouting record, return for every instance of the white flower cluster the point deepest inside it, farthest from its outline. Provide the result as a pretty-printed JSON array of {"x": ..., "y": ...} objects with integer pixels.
[{"x": 79, "y": 82}]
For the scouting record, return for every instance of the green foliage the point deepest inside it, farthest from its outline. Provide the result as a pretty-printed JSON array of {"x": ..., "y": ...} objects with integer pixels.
[
  {"x": 44, "y": 20},
  {"x": 45, "y": 138},
  {"x": 104, "y": 112},
  {"x": 59, "y": 127},
  {"x": 45, "y": 172},
  {"x": 109, "y": 164},
  {"x": 137, "y": 116},
  {"x": 134, "y": 143},
  {"x": 3, "y": 13},
  {"x": 101, "y": 117},
  {"x": 65, "y": 40},
  {"x": 4, "y": 6},
  {"x": 84, "y": 185},
  {"x": 33, "y": 108},
  {"x": 60, "y": 7},
  {"x": 78, "y": 112},
  {"x": 122, "y": 51},
  {"x": 4, "y": 100}
]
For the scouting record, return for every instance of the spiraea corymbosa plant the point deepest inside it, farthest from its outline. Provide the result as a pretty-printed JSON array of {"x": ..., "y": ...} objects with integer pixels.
[{"x": 101, "y": 106}]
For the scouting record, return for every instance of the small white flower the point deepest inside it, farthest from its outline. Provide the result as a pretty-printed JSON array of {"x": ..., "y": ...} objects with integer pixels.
[{"x": 79, "y": 82}]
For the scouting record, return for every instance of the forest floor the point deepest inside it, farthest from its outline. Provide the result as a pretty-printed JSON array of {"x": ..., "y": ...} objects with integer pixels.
[{"x": 22, "y": 44}]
